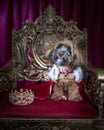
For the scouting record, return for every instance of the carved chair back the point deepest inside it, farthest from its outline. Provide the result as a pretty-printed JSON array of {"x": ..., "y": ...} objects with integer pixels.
[{"x": 34, "y": 39}]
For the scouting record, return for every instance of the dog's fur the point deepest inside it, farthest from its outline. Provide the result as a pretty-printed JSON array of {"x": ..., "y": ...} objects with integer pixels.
[{"x": 66, "y": 70}]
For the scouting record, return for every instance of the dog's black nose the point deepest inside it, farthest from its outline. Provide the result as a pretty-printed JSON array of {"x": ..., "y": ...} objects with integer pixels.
[{"x": 61, "y": 54}]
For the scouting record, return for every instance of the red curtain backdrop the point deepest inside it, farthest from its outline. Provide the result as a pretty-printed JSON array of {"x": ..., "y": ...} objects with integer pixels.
[{"x": 87, "y": 13}]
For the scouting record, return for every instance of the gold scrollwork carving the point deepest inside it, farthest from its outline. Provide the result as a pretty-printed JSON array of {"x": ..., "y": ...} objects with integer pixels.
[{"x": 52, "y": 124}]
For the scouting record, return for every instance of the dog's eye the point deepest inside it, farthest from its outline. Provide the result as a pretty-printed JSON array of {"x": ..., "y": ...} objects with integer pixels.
[
  {"x": 69, "y": 49},
  {"x": 59, "y": 46},
  {"x": 69, "y": 53}
]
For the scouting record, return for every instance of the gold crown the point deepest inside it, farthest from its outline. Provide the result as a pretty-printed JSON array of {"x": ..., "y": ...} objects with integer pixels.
[{"x": 21, "y": 97}]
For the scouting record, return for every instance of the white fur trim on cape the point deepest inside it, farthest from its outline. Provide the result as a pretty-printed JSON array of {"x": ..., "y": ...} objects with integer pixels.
[
  {"x": 78, "y": 73},
  {"x": 53, "y": 73}
]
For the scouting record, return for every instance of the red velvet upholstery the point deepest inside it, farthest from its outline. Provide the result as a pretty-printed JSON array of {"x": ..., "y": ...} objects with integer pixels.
[
  {"x": 48, "y": 108},
  {"x": 41, "y": 89}
]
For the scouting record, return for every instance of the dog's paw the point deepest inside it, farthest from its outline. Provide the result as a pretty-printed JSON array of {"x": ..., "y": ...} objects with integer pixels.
[
  {"x": 75, "y": 98},
  {"x": 56, "y": 97}
]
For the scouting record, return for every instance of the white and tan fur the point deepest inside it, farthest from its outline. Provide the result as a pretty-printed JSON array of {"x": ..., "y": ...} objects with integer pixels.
[{"x": 69, "y": 60}]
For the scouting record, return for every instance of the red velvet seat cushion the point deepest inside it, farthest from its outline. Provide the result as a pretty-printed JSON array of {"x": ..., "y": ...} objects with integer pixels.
[{"x": 48, "y": 109}]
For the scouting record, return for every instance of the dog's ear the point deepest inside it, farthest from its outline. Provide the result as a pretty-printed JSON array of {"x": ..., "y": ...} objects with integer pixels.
[
  {"x": 73, "y": 63},
  {"x": 77, "y": 59},
  {"x": 50, "y": 55}
]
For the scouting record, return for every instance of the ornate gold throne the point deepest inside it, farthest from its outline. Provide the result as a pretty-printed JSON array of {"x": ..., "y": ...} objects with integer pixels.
[{"x": 29, "y": 63}]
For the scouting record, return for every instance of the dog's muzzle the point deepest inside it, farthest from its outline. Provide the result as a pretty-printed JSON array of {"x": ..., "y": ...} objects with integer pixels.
[
  {"x": 61, "y": 54},
  {"x": 59, "y": 61}
]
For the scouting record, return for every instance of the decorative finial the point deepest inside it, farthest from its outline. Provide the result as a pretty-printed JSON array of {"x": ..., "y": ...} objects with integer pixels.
[{"x": 49, "y": 12}]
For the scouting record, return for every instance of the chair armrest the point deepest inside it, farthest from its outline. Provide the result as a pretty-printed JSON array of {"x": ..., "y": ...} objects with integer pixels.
[
  {"x": 94, "y": 80},
  {"x": 100, "y": 73}
]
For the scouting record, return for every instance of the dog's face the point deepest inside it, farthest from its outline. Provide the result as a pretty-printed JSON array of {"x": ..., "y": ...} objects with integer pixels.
[{"x": 61, "y": 55}]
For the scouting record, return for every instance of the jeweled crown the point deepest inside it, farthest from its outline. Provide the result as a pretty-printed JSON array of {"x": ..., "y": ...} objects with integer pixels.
[{"x": 21, "y": 97}]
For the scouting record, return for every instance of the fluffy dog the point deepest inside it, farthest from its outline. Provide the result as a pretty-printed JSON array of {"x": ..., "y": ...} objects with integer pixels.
[{"x": 66, "y": 72}]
